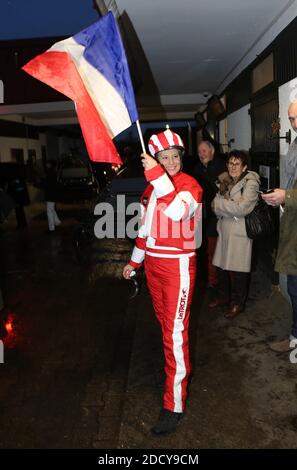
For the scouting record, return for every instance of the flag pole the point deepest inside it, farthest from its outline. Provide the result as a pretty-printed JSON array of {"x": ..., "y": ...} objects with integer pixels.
[{"x": 140, "y": 136}]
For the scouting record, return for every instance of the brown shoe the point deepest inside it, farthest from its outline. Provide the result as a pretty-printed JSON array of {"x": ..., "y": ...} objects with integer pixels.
[
  {"x": 233, "y": 311},
  {"x": 286, "y": 345},
  {"x": 218, "y": 302}
]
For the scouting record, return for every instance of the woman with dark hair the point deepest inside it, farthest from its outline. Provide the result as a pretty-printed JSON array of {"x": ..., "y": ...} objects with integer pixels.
[{"x": 237, "y": 197}]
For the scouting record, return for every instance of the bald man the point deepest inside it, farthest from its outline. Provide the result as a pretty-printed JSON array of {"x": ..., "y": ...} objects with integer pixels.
[{"x": 286, "y": 261}]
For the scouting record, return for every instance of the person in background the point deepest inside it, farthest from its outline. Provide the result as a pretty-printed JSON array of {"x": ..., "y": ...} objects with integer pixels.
[
  {"x": 286, "y": 260},
  {"x": 51, "y": 196},
  {"x": 17, "y": 189},
  {"x": 6, "y": 205},
  {"x": 169, "y": 205},
  {"x": 237, "y": 197},
  {"x": 206, "y": 171}
]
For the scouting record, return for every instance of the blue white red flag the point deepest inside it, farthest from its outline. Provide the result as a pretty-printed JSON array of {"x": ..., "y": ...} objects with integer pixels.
[{"x": 91, "y": 69}]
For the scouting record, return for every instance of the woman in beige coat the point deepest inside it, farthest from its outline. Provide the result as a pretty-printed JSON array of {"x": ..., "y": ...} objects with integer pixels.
[{"x": 236, "y": 198}]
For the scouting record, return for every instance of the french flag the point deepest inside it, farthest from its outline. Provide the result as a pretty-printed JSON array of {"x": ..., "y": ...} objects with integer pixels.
[{"x": 91, "y": 69}]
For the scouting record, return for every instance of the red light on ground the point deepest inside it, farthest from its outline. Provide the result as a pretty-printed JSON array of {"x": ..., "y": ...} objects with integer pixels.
[
  {"x": 9, "y": 323},
  {"x": 10, "y": 329},
  {"x": 8, "y": 326}
]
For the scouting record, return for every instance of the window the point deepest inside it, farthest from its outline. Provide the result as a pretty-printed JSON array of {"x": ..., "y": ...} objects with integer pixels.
[
  {"x": 262, "y": 75},
  {"x": 17, "y": 155}
]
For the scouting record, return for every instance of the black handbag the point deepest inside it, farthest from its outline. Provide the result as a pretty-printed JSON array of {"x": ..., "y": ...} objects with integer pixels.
[{"x": 260, "y": 222}]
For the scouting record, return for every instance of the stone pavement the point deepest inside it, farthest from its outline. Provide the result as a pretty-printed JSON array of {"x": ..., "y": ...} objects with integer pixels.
[
  {"x": 66, "y": 363},
  {"x": 242, "y": 395},
  {"x": 86, "y": 369}
]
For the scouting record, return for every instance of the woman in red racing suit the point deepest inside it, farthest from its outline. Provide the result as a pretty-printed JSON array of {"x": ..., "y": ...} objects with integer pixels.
[{"x": 166, "y": 243}]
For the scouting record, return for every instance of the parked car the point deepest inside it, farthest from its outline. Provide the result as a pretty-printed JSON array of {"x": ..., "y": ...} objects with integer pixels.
[
  {"x": 122, "y": 212},
  {"x": 76, "y": 180},
  {"x": 121, "y": 190}
]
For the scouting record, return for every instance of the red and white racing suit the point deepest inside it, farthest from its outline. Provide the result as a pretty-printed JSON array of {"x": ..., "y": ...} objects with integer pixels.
[{"x": 166, "y": 244}]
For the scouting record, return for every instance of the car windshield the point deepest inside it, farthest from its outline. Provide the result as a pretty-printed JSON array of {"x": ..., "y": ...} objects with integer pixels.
[
  {"x": 71, "y": 167},
  {"x": 82, "y": 172},
  {"x": 72, "y": 162}
]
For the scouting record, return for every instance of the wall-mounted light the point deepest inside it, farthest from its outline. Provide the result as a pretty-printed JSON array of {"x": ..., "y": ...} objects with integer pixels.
[
  {"x": 287, "y": 136},
  {"x": 275, "y": 128},
  {"x": 230, "y": 141}
]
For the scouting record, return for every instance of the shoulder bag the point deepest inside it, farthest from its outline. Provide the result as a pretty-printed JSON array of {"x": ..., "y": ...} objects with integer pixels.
[{"x": 260, "y": 222}]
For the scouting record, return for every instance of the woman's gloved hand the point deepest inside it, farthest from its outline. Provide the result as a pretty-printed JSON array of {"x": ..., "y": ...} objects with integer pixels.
[
  {"x": 223, "y": 183},
  {"x": 223, "y": 188}
]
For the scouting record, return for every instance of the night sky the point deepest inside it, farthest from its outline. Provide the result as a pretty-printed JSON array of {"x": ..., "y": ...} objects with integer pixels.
[{"x": 40, "y": 18}]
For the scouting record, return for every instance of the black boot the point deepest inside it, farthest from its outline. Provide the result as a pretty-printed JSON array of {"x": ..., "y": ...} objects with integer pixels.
[{"x": 167, "y": 422}]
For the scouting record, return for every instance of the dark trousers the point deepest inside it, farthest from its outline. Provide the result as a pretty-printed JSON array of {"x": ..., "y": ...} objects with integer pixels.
[
  {"x": 212, "y": 271},
  {"x": 206, "y": 253},
  {"x": 20, "y": 216},
  {"x": 292, "y": 291},
  {"x": 233, "y": 285}
]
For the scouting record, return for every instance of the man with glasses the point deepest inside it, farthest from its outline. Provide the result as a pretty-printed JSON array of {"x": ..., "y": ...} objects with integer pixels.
[{"x": 286, "y": 261}]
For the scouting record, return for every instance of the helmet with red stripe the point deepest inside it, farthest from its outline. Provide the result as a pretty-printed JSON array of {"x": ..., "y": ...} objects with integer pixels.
[{"x": 163, "y": 141}]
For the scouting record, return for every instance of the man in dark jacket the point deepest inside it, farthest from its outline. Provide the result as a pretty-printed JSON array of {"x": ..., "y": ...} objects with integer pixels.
[
  {"x": 206, "y": 171},
  {"x": 286, "y": 260}
]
